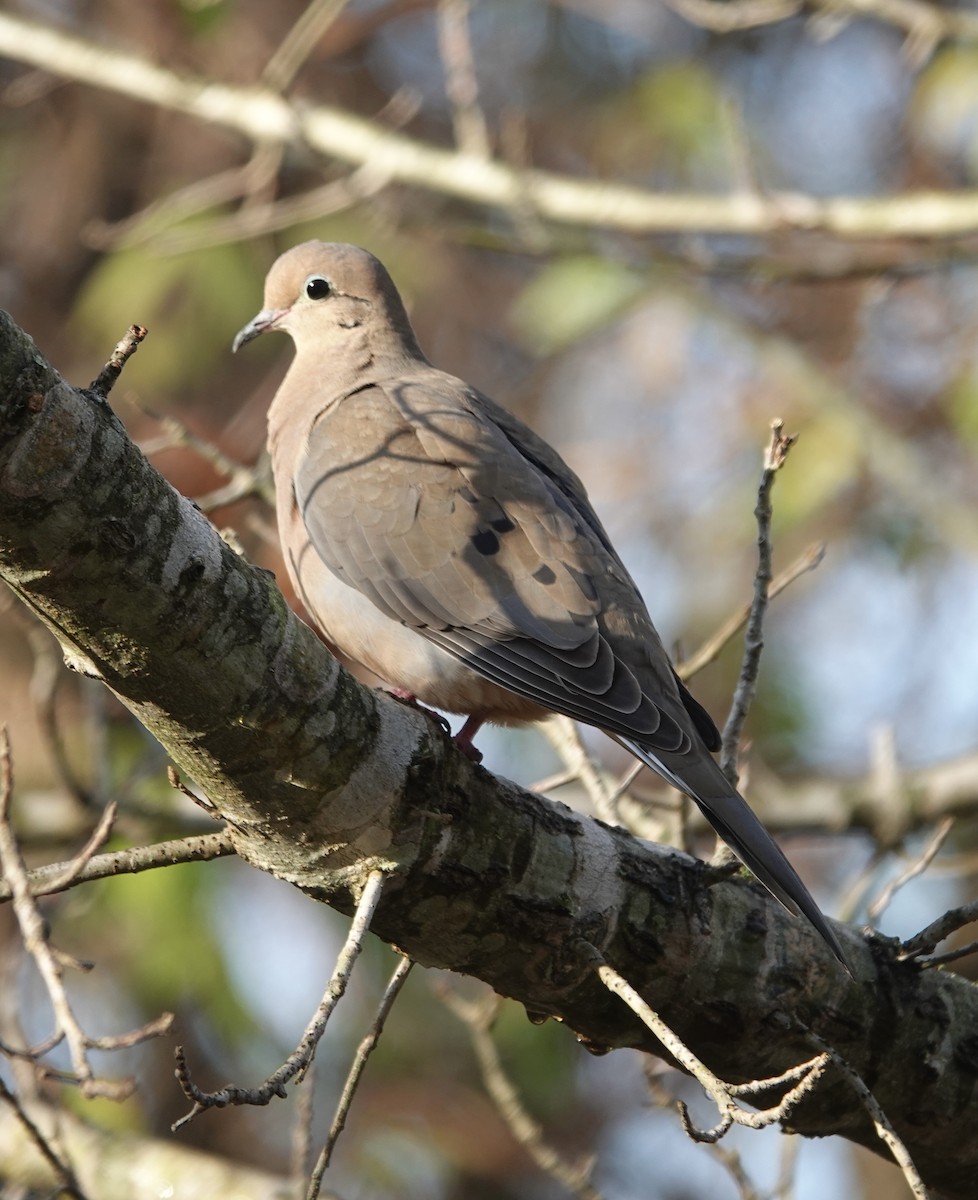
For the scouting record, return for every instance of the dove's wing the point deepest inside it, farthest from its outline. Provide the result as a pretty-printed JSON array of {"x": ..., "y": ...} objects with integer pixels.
[{"x": 418, "y": 500}]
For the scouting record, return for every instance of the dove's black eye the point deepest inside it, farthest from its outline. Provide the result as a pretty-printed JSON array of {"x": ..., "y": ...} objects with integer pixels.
[{"x": 317, "y": 287}]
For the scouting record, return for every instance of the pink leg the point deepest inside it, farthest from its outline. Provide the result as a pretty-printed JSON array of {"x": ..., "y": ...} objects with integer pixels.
[{"x": 463, "y": 739}]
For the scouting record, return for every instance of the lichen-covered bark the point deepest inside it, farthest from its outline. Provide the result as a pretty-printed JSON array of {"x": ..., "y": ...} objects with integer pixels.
[{"x": 321, "y": 780}]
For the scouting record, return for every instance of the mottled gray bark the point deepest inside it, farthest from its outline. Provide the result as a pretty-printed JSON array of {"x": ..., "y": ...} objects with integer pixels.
[{"x": 321, "y": 780}]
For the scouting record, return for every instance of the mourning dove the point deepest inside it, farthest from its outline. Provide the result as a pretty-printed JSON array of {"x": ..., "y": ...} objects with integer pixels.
[{"x": 442, "y": 544}]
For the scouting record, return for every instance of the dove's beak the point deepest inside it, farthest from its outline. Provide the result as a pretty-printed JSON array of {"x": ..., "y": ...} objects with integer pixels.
[{"x": 267, "y": 319}]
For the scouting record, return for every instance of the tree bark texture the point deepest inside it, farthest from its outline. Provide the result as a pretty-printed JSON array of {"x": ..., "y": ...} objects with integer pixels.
[{"x": 321, "y": 780}]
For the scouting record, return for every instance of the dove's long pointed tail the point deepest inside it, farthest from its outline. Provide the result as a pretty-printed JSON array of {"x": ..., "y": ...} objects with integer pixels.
[{"x": 736, "y": 823}]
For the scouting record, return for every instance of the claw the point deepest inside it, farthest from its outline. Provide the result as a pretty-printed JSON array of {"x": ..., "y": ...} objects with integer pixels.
[{"x": 462, "y": 739}]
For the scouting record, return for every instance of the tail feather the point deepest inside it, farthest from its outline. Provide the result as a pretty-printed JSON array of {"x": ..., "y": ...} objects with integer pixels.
[{"x": 744, "y": 833}]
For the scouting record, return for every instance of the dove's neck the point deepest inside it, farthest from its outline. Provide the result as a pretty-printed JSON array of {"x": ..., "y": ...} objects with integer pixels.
[{"x": 321, "y": 375}]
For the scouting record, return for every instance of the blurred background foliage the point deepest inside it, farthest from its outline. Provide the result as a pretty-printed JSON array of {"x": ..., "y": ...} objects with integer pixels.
[{"x": 654, "y": 363}]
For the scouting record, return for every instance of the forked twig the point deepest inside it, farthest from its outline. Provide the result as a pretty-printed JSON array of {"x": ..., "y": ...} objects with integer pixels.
[
  {"x": 58, "y": 877},
  {"x": 51, "y": 963},
  {"x": 298, "y": 1062},
  {"x": 800, "y": 1079},
  {"x": 364, "y": 1050},
  {"x": 931, "y": 936}
]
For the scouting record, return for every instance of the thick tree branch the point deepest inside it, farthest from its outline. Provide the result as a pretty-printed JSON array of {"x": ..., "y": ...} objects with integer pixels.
[
  {"x": 265, "y": 116},
  {"x": 322, "y": 781}
]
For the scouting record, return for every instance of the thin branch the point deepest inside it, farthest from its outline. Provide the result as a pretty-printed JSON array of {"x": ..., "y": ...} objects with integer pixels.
[
  {"x": 564, "y": 736},
  {"x": 243, "y": 481},
  {"x": 301, "y": 1148},
  {"x": 51, "y": 963},
  {"x": 73, "y": 869},
  {"x": 461, "y": 84},
  {"x": 784, "y": 1189},
  {"x": 479, "y": 1018},
  {"x": 367, "y": 1046},
  {"x": 949, "y": 956},
  {"x": 881, "y": 1123},
  {"x": 124, "y": 350},
  {"x": 774, "y": 459},
  {"x": 59, "y": 877},
  {"x": 45, "y": 680},
  {"x": 270, "y": 216},
  {"x": 917, "y": 867},
  {"x": 299, "y": 1061},
  {"x": 730, "y": 16},
  {"x": 264, "y": 116},
  {"x": 801, "y": 1078},
  {"x": 258, "y": 172},
  {"x": 711, "y": 648},
  {"x": 925, "y": 25},
  {"x": 933, "y": 934},
  {"x": 282, "y": 68}
]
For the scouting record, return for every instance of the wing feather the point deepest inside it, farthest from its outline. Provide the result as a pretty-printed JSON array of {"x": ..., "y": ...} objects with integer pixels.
[{"x": 417, "y": 496}]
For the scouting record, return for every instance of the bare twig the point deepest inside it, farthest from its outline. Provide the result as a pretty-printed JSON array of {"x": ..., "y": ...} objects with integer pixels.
[
  {"x": 917, "y": 867},
  {"x": 461, "y": 85},
  {"x": 364, "y": 1050},
  {"x": 45, "y": 679},
  {"x": 884, "y": 1129},
  {"x": 282, "y": 68},
  {"x": 712, "y": 647},
  {"x": 299, "y": 1061},
  {"x": 242, "y": 480},
  {"x": 51, "y": 963},
  {"x": 302, "y": 1134},
  {"x": 949, "y": 956},
  {"x": 124, "y": 350},
  {"x": 784, "y": 1188},
  {"x": 933, "y": 934},
  {"x": 925, "y": 25},
  {"x": 800, "y": 1079},
  {"x": 142, "y": 225},
  {"x": 774, "y": 459},
  {"x": 269, "y": 216},
  {"x": 563, "y": 735},
  {"x": 73, "y": 869},
  {"x": 58, "y": 877},
  {"x": 728, "y": 16},
  {"x": 479, "y": 1019}
]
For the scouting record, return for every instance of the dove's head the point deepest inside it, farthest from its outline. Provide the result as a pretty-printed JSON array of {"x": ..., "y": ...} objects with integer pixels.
[{"x": 331, "y": 298}]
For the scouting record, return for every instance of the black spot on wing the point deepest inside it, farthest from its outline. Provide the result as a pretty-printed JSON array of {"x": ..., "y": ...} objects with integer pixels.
[{"x": 486, "y": 542}]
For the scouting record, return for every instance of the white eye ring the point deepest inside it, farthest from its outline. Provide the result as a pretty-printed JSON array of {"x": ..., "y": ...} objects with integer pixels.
[{"x": 317, "y": 287}]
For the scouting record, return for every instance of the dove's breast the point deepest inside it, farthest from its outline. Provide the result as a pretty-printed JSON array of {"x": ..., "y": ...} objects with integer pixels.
[{"x": 396, "y": 653}]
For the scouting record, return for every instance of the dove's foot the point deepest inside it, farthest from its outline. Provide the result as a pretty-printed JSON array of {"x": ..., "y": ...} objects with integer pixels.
[{"x": 462, "y": 739}]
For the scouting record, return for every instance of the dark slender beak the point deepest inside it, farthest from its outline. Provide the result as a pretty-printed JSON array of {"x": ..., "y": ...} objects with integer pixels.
[{"x": 267, "y": 319}]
